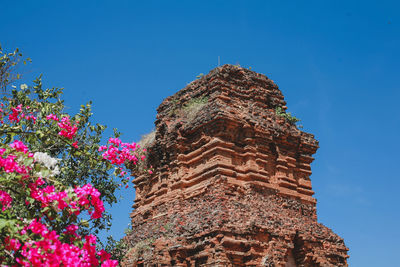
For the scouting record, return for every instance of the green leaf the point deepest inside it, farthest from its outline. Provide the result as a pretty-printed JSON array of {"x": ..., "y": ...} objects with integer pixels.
[
  {"x": 28, "y": 161},
  {"x": 3, "y": 223},
  {"x": 40, "y": 133},
  {"x": 45, "y": 172},
  {"x": 84, "y": 223}
]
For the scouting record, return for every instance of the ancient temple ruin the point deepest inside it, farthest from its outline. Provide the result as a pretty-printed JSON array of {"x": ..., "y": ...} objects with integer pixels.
[{"x": 231, "y": 182}]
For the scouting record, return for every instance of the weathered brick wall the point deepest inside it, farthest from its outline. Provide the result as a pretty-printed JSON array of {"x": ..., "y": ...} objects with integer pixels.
[{"x": 231, "y": 184}]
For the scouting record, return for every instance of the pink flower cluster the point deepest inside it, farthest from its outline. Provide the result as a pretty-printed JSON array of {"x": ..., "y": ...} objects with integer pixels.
[
  {"x": 88, "y": 191},
  {"x": 47, "y": 195},
  {"x": 9, "y": 163},
  {"x": 19, "y": 146},
  {"x": 87, "y": 197},
  {"x": 68, "y": 130},
  {"x": 14, "y": 116},
  {"x": 71, "y": 231},
  {"x": 11, "y": 244},
  {"x": 123, "y": 155},
  {"x": 119, "y": 153},
  {"x": 5, "y": 200},
  {"x": 50, "y": 251},
  {"x": 17, "y": 114},
  {"x": 52, "y": 117}
]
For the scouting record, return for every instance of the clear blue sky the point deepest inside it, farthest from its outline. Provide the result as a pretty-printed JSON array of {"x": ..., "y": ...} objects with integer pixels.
[{"x": 337, "y": 63}]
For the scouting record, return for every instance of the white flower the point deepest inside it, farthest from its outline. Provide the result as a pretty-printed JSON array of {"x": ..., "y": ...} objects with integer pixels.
[
  {"x": 56, "y": 171},
  {"x": 48, "y": 162},
  {"x": 23, "y": 86}
]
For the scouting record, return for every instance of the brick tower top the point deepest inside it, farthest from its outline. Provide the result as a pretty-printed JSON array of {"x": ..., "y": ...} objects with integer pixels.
[{"x": 235, "y": 106}]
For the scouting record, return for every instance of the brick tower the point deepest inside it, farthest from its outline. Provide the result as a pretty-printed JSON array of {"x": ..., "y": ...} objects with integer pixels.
[{"x": 231, "y": 184}]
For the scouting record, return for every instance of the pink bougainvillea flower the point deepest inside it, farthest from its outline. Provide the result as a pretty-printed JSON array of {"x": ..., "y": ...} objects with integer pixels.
[
  {"x": 13, "y": 117},
  {"x": 5, "y": 200},
  {"x": 118, "y": 153},
  {"x": 115, "y": 141},
  {"x": 52, "y": 117},
  {"x": 68, "y": 130},
  {"x": 110, "y": 263},
  {"x": 75, "y": 144},
  {"x": 101, "y": 148},
  {"x": 88, "y": 191},
  {"x": 103, "y": 255},
  {"x": 19, "y": 146},
  {"x": 71, "y": 230},
  {"x": 10, "y": 164},
  {"x": 11, "y": 244},
  {"x": 31, "y": 117}
]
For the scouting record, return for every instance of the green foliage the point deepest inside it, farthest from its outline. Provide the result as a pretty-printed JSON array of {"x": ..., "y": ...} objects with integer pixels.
[
  {"x": 288, "y": 116},
  {"x": 8, "y": 63},
  {"x": 195, "y": 101},
  {"x": 117, "y": 248},
  {"x": 193, "y": 106},
  {"x": 190, "y": 109}
]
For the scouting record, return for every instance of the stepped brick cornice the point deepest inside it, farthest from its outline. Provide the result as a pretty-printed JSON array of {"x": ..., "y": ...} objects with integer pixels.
[{"x": 231, "y": 182}]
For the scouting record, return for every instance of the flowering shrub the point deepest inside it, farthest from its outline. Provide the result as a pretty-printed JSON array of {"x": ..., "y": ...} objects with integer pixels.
[
  {"x": 55, "y": 178},
  {"x": 45, "y": 233}
]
